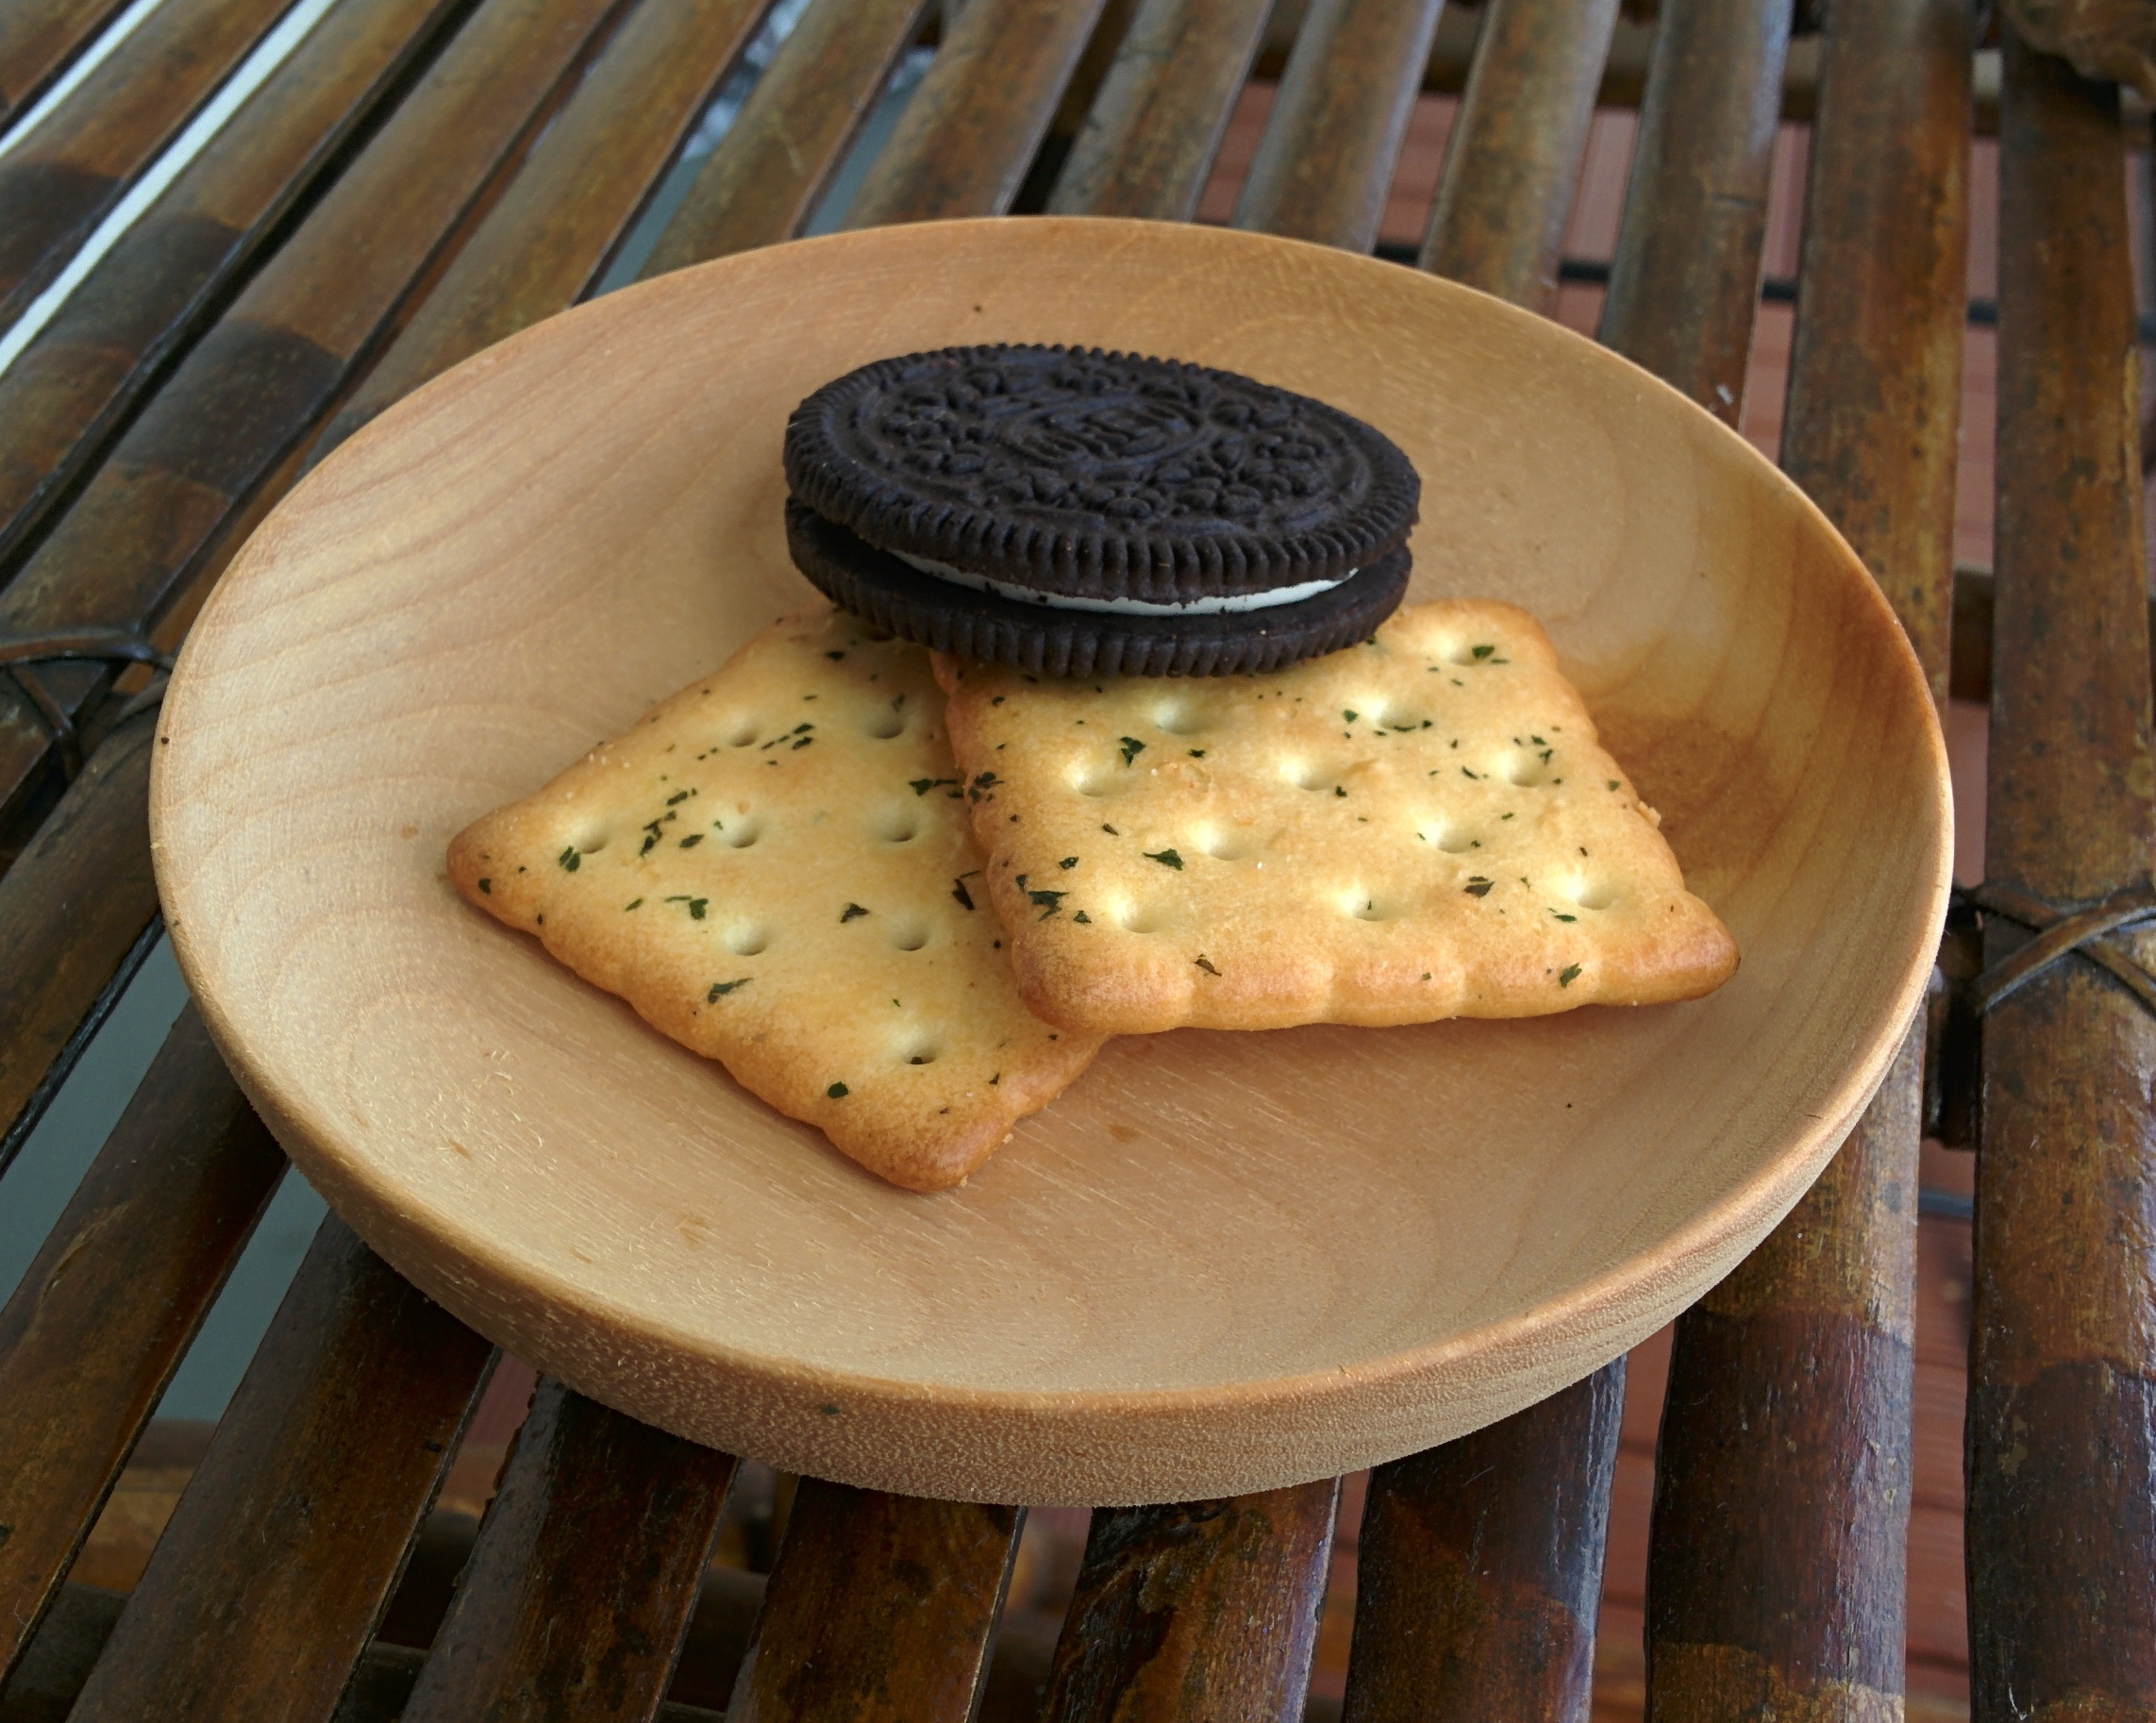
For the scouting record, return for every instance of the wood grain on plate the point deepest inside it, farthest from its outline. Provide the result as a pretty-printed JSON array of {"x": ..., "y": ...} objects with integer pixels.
[{"x": 1219, "y": 1264}]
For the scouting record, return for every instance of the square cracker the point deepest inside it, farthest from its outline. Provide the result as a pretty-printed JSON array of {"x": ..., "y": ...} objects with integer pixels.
[
  {"x": 1417, "y": 828},
  {"x": 774, "y": 868}
]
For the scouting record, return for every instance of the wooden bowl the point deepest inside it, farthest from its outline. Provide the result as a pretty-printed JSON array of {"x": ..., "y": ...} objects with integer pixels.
[{"x": 1219, "y": 1262}]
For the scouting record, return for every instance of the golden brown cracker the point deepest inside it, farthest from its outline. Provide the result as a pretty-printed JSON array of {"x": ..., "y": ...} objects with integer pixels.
[
  {"x": 1417, "y": 828},
  {"x": 774, "y": 868}
]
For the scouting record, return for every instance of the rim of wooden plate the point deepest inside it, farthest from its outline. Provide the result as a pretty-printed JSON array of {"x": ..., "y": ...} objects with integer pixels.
[{"x": 1090, "y": 1445}]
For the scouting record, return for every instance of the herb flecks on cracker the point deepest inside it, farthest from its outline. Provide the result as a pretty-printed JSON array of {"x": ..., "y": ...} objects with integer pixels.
[
  {"x": 1357, "y": 876},
  {"x": 835, "y": 880}
]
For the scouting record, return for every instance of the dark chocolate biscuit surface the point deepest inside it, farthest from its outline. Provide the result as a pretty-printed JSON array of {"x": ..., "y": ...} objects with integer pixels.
[
  {"x": 1099, "y": 475},
  {"x": 1045, "y": 641}
]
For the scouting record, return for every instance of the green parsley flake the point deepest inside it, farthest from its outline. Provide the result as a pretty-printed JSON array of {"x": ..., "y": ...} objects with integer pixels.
[
  {"x": 1132, "y": 747},
  {"x": 570, "y": 860},
  {"x": 1068, "y": 862},
  {"x": 1477, "y": 886},
  {"x": 1166, "y": 858},
  {"x": 837, "y": 1092},
  {"x": 1483, "y": 652},
  {"x": 1570, "y": 975},
  {"x": 631, "y": 904},
  {"x": 487, "y": 887},
  {"x": 958, "y": 890},
  {"x": 720, "y": 988},
  {"x": 849, "y": 912}
]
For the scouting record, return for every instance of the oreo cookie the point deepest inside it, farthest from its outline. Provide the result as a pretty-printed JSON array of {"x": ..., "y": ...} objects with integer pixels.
[{"x": 1077, "y": 513}]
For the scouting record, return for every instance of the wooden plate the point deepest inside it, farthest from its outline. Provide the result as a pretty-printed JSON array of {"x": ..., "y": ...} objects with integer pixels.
[{"x": 1219, "y": 1262}]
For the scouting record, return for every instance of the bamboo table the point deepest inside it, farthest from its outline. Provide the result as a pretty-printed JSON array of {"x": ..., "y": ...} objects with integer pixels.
[{"x": 416, "y": 179}]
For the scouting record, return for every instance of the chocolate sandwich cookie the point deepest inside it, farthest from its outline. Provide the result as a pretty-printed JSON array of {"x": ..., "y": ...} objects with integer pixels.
[{"x": 1077, "y": 513}]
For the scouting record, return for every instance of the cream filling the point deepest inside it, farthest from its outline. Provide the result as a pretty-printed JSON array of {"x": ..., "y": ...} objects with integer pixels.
[{"x": 1224, "y": 605}]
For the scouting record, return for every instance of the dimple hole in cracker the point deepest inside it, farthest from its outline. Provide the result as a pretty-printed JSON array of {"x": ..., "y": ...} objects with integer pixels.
[
  {"x": 1445, "y": 835},
  {"x": 886, "y": 722},
  {"x": 1367, "y": 906},
  {"x": 1140, "y": 917},
  {"x": 1223, "y": 845},
  {"x": 742, "y": 833},
  {"x": 747, "y": 940},
  {"x": 591, "y": 843},
  {"x": 919, "y": 1050},
  {"x": 1592, "y": 893},
  {"x": 1524, "y": 769},
  {"x": 1100, "y": 781},
  {"x": 739, "y": 732},
  {"x": 897, "y": 825},
  {"x": 1307, "y": 776},
  {"x": 1179, "y": 718},
  {"x": 909, "y": 934}
]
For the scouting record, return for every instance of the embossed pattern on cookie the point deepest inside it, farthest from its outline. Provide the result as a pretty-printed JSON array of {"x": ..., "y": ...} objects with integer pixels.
[{"x": 1097, "y": 475}]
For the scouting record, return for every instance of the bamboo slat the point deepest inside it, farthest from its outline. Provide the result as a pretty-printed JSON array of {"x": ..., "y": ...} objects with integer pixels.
[
  {"x": 105, "y": 1312},
  {"x": 546, "y": 240},
  {"x": 37, "y": 38},
  {"x": 1498, "y": 221},
  {"x": 967, "y": 137},
  {"x": 764, "y": 180},
  {"x": 1685, "y": 282},
  {"x": 147, "y": 300},
  {"x": 1204, "y": 1613},
  {"x": 288, "y": 1539},
  {"x": 75, "y": 911},
  {"x": 1148, "y": 145},
  {"x": 1325, "y": 161},
  {"x": 60, "y": 178},
  {"x": 1783, "y": 1587},
  {"x": 580, "y": 1586},
  {"x": 2062, "y": 1414},
  {"x": 880, "y": 1608},
  {"x": 1871, "y": 429},
  {"x": 1480, "y": 1568}
]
